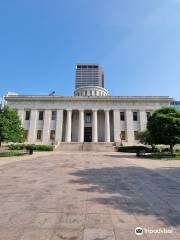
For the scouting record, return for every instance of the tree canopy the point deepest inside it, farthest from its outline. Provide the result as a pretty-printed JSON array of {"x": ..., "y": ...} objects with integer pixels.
[
  {"x": 145, "y": 137},
  {"x": 164, "y": 126},
  {"x": 10, "y": 126}
]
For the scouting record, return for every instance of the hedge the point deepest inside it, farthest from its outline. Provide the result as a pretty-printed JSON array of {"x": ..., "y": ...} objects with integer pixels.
[
  {"x": 133, "y": 149},
  {"x": 35, "y": 147},
  {"x": 11, "y": 154}
]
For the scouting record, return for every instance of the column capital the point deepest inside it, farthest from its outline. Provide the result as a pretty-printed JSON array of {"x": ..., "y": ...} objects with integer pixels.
[
  {"x": 107, "y": 110},
  {"x": 69, "y": 110},
  {"x": 94, "y": 110}
]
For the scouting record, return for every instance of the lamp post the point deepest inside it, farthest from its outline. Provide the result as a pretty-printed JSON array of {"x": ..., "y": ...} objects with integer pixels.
[
  {"x": 121, "y": 138},
  {"x": 53, "y": 138}
]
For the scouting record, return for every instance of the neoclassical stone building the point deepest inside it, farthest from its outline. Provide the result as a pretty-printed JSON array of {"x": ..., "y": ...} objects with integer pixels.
[{"x": 91, "y": 115}]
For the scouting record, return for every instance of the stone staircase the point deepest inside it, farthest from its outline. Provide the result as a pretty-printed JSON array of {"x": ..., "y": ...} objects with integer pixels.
[{"x": 96, "y": 147}]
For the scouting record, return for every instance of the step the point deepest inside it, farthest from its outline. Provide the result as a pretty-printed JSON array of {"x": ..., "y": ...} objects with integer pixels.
[{"x": 69, "y": 147}]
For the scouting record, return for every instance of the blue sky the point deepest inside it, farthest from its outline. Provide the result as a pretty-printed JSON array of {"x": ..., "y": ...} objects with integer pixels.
[{"x": 136, "y": 42}]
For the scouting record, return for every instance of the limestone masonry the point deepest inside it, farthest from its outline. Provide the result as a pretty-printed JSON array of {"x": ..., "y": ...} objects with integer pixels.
[{"x": 91, "y": 115}]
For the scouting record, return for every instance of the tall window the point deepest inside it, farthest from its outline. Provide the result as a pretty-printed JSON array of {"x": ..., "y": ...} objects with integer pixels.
[
  {"x": 27, "y": 115},
  {"x": 135, "y": 116},
  {"x": 39, "y": 135},
  {"x": 41, "y": 115},
  {"x": 136, "y": 135},
  {"x": 122, "y": 117},
  {"x": 52, "y": 135},
  {"x": 123, "y": 135},
  {"x": 88, "y": 118},
  {"x": 54, "y": 115},
  {"x": 148, "y": 115}
]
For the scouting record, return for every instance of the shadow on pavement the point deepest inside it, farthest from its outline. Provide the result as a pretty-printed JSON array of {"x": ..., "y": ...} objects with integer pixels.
[{"x": 134, "y": 189}]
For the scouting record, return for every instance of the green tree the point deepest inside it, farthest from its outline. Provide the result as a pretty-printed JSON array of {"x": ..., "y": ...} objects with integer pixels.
[
  {"x": 164, "y": 127},
  {"x": 10, "y": 126},
  {"x": 145, "y": 138}
]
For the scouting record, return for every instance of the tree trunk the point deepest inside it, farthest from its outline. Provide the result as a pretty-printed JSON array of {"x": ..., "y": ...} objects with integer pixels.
[
  {"x": 171, "y": 149},
  {"x": 0, "y": 143},
  {"x": 153, "y": 147}
]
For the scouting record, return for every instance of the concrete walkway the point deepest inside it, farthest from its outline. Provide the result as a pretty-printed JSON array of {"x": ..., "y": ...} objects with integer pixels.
[{"x": 88, "y": 196}]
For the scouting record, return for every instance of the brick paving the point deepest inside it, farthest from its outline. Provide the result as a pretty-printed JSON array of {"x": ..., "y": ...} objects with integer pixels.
[{"x": 88, "y": 196}]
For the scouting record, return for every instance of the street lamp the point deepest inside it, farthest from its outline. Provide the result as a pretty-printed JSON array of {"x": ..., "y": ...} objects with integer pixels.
[
  {"x": 121, "y": 138},
  {"x": 53, "y": 138}
]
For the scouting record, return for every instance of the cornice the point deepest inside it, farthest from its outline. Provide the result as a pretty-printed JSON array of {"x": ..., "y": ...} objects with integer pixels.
[{"x": 90, "y": 98}]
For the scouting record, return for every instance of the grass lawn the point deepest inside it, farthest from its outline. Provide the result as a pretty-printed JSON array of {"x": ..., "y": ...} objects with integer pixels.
[
  {"x": 11, "y": 154},
  {"x": 177, "y": 157},
  {"x": 162, "y": 156}
]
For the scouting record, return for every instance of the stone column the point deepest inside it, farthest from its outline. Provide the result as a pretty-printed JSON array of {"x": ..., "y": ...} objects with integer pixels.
[
  {"x": 33, "y": 126},
  {"x": 94, "y": 127},
  {"x": 81, "y": 126},
  {"x": 129, "y": 127},
  {"x": 68, "y": 125},
  {"x": 46, "y": 126},
  {"x": 21, "y": 115},
  {"x": 107, "y": 126},
  {"x": 59, "y": 125},
  {"x": 142, "y": 120},
  {"x": 117, "y": 130}
]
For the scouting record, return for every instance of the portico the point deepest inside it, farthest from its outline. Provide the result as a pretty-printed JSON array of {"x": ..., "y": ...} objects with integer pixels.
[{"x": 90, "y": 126}]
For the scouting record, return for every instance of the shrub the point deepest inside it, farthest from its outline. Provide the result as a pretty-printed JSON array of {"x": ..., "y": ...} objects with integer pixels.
[
  {"x": 133, "y": 149},
  {"x": 33, "y": 146},
  {"x": 165, "y": 150},
  {"x": 42, "y": 147},
  {"x": 17, "y": 146}
]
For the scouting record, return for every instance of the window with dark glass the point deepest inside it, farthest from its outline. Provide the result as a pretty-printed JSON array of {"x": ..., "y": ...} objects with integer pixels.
[
  {"x": 52, "y": 134},
  {"x": 122, "y": 117},
  {"x": 41, "y": 115},
  {"x": 88, "y": 118},
  {"x": 54, "y": 115},
  {"x": 123, "y": 135},
  {"x": 148, "y": 115},
  {"x": 135, "y": 116},
  {"x": 136, "y": 135},
  {"x": 39, "y": 134},
  {"x": 27, "y": 115}
]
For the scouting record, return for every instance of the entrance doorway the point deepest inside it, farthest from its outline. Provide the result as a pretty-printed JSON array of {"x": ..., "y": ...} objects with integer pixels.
[{"x": 88, "y": 134}]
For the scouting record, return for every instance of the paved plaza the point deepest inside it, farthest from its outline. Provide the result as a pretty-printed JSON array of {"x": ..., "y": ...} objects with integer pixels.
[{"x": 88, "y": 196}]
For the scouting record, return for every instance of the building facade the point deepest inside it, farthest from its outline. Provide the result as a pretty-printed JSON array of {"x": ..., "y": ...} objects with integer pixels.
[
  {"x": 91, "y": 115},
  {"x": 176, "y": 104},
  {"x": 57, "y": 119},
  {"x": 89, "y": 75}
]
